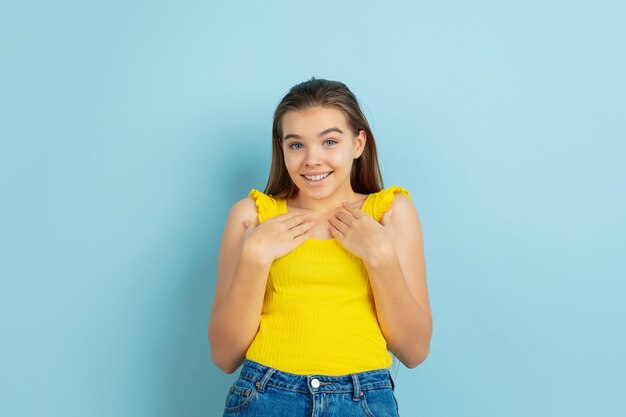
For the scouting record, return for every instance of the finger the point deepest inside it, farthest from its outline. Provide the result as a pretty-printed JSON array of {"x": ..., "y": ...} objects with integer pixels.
[
  {"x": 286, "y": 216},
  {"x": 249, "y": 223},
  {"x": 301, "y": 228},
  {"x": 300, "y": 239},
  {"x": 341, "y": 226},
  {"x": 344, "y": 217},
  {"x": 335, "y": 233},
  {"x": 386, "y": 220},
  {"x": 356, "y": 212},
  {"x": 295, "y": 220}
]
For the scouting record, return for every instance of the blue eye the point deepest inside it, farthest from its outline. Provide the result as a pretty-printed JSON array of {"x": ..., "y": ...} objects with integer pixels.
[
  {"x": 291, "y": 146},
  {"x": 330, "y": 140}
]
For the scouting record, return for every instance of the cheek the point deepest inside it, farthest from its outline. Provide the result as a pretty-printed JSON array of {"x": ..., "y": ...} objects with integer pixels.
[
  {"x": 292, "y": 162},
  {"x": 340, "y": 160}
]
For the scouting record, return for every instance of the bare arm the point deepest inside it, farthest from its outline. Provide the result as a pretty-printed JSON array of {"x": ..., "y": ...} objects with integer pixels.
[
  {"x": 393, "y": 255},
  {"x": 239, "y": 293},
  {"x": 246, "y": 254},
  {"x": 398, "y": 280}
]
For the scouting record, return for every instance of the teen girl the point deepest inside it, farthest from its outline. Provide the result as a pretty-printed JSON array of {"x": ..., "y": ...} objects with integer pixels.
[{"x": 321, "y": 277}]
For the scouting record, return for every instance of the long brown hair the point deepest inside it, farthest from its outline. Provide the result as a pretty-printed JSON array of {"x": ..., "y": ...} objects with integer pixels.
[{"x": 365, "y": 175}]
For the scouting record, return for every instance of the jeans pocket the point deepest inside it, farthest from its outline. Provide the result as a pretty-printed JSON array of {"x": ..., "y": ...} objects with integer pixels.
[
  {"x": 240, "y": 395},
  {"x": 380, "y": 403}
]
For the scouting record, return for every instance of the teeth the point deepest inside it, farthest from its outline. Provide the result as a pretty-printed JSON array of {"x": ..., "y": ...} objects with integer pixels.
[{"x": 317, "y": 177}]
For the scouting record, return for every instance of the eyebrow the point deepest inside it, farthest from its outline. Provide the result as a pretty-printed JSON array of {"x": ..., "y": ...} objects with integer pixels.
[{"x": 332, "y": 129}]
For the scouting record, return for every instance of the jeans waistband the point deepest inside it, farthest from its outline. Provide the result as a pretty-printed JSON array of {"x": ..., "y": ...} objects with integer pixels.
[{"x": 265, "y": 376}]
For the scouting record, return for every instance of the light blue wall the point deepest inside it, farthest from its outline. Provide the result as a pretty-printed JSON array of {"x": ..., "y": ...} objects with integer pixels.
[{"x": 129, "y": 128}]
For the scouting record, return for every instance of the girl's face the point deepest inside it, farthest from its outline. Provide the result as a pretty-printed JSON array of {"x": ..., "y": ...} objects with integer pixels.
[{"x": 319, "y": 149}]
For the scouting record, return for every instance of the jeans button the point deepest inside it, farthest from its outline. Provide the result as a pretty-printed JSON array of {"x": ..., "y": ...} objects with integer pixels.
[{"x": 315, "y": 383}]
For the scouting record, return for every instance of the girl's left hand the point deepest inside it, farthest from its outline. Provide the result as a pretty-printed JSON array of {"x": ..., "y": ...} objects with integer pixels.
[{"x": 360, "y": 234}]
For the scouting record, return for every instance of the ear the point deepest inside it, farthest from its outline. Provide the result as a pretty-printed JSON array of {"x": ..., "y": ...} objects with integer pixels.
[{"x": 359, "y": 143}]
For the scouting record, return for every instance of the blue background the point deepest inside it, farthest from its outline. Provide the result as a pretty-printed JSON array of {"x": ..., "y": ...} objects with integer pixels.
[{"x": 129, "y": 129}]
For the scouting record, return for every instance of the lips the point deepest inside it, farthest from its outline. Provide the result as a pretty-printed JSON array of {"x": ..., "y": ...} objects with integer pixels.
[{"x": 316, "y": 177}]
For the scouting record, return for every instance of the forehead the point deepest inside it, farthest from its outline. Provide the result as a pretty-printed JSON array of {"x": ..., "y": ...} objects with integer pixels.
[{"x": 313, "y": 120}]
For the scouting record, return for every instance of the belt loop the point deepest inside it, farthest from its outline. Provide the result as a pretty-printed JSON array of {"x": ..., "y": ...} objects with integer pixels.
[
  {"x": 260, "y": 385},
  {"x": 357, "y": 388}
]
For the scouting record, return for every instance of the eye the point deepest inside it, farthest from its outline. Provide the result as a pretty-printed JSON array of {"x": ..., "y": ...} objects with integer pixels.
[
  {"x": 294, "y": 144},
  {"x": 330, "y": 140}
]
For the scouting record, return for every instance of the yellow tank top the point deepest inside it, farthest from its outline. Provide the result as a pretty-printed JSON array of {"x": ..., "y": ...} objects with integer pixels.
[{"x": 318, "y": 314}]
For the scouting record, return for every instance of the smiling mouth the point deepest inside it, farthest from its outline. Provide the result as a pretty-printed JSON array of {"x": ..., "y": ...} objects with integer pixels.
[{"x": 317, "y": 177}]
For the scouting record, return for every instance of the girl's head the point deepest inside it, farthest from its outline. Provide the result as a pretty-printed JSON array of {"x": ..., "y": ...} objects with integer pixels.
[{"x": 297, "y": 149}]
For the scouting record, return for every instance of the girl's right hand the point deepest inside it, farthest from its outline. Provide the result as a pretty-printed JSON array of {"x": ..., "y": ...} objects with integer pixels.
[{"x": 277, "y": 236}]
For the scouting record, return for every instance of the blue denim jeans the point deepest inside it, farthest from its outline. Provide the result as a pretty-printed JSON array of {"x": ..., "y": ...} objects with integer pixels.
[{"x": 265, "y": 391}]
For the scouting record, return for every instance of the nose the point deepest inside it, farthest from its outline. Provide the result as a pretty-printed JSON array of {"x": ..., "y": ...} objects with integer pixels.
[{"x": 313, "y": 157}]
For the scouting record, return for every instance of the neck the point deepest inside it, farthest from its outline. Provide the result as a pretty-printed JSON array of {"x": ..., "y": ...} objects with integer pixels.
[{"x": 326, "y": 205}]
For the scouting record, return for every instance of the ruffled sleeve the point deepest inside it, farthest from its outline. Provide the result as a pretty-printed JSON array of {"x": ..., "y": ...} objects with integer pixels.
[
  {"x": 267, "y": 206},
  {"x": 380, "y": 202}
]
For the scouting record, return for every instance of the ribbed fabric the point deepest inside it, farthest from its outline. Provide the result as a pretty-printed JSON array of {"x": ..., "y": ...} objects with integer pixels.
[{"x": 318, "y": 313}]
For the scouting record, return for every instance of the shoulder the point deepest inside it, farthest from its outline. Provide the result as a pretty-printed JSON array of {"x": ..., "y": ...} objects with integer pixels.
[
  {"x": 405, "y": 217},
  {"x": 402, "y": 202},
  {"x": 385, "y": 197},
  {"x": 257, "y": 205},
  {"x": 244, "y": 208},
  {"x": 391, "y": 197},
  {"x": 404, "y": 210}
]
